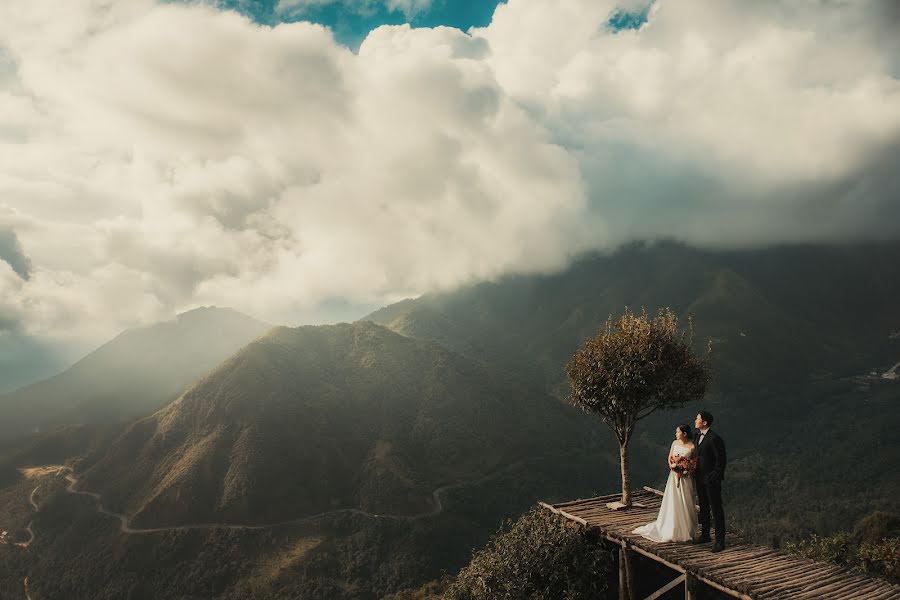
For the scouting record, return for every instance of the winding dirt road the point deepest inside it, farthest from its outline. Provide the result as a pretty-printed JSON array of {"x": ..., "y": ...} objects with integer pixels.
[
  {"x": 125, "y": 527},
  {"x": 28, "y": 527},
  {"x": 31, "y": 498},
  {"x": 436, "y": 496},
  {"x": 30, "y": 531}
]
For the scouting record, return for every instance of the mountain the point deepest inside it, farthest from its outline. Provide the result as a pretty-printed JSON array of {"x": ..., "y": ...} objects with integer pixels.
[
  {"x": 132, "y": 375},
  {"x": 457, "y": 397},
  {"x": 428, "y": 448},
  {"x": 800, "y": 336},
  {"x": 303, "y": 421},
  {"x": 774, "y": 315}
]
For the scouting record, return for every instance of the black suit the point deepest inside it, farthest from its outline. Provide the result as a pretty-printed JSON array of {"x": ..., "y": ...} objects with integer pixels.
[{"x": 710, "y": 473}]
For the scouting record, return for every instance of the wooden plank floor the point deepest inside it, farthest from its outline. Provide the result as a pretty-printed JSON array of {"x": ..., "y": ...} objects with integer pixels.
[{"x": 747, "y": 569}]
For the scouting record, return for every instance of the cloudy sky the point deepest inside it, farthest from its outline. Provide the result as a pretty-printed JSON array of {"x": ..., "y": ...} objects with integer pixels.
[{"x": 305, "y": 160}]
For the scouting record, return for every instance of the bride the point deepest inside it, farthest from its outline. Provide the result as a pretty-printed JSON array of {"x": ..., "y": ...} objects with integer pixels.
[{"x": 677, "y": 519}]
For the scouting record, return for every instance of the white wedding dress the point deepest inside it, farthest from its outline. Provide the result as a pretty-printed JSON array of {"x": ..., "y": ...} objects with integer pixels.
[{"x": 677, "y": 518}]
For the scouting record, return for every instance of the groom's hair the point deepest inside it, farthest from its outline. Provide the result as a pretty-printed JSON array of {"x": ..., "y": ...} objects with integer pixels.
[{"x": 706, "y": 416}]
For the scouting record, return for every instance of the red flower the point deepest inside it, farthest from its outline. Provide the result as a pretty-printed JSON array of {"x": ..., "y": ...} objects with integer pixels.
[{"x": 685, "y": 465}]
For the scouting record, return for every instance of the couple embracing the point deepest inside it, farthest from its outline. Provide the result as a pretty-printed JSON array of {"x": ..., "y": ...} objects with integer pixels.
[{"x": 696, "y": 471}]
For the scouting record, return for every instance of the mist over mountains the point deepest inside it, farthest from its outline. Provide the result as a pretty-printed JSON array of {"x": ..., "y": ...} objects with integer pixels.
[
  {"x": 25, "y": 359},
  {"x": 780, "y": 314}
]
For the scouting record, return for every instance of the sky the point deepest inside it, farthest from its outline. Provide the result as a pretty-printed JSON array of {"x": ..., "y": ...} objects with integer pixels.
[
  {"x": 351, "y": 21},
  {"x": 307, "y": 161}
]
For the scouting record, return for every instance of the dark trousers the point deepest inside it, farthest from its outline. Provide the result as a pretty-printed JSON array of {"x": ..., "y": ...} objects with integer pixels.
[{"x": 710, "y": 496}]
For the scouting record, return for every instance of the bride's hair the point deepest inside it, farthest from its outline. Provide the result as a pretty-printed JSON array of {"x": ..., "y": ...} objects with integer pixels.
[{"x": 686, "y": 430}]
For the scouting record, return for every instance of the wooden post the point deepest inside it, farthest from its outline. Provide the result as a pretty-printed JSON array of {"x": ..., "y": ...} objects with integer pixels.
[
  {"x": 623, "y": 583},
  {"x": 690, "y": 587},
  {"x": 629, "y": 572}
]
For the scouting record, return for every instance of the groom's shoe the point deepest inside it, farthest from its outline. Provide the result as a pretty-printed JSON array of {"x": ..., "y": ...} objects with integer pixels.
[
  {"x": 719, "y": 546},
  {"x": 703, "y": 539}
]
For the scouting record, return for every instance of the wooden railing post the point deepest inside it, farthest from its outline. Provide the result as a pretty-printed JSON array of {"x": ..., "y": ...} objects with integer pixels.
[
  {"x": 629, "y": 572},
  {"x": 690, "y": 587},
  {"x": 623, "y": 582}
]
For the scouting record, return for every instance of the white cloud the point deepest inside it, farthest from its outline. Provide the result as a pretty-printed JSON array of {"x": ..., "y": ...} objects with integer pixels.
[
  {"x": 159, "y": 156},
  {"x": 755, "y": 88}
]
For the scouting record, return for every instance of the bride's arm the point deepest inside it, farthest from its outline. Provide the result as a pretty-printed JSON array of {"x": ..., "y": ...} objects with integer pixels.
[{"x": 672, "y": 455}]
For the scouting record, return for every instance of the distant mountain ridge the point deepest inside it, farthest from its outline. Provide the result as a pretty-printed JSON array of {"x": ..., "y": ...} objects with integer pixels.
[{"x": 132, "y": 375}]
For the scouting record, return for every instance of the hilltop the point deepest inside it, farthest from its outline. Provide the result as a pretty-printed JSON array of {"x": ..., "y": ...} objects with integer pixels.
[
  {"x": 134, "y": 374},
  {"x": 306, "y": 420}
]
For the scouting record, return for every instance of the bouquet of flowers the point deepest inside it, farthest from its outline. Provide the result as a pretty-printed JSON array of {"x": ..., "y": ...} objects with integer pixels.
[{"x": 685, "y": 465}]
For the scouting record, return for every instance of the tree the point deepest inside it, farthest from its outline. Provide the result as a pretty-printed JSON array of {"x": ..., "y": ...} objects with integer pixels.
[{"x": 633, "y": 368}]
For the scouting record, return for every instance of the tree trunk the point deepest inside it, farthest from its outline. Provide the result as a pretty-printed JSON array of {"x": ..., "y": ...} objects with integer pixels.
[{"x": 626, "y": 477}]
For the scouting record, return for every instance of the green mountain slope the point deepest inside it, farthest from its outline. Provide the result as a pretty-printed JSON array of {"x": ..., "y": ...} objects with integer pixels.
[
  {"x": 132, "y": 375},
  {"x": 307, "y": 420}
]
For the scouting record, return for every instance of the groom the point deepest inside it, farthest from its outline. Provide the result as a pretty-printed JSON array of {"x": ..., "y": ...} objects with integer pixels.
[{"x": 710, "y": 473}]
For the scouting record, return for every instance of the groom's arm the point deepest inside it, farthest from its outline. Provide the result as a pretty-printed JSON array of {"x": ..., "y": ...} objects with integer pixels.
[{"x": 717, "y": 473}]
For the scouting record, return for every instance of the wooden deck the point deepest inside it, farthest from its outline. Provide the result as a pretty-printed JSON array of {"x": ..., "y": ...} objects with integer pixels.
[{"x": 742, "y": 570}]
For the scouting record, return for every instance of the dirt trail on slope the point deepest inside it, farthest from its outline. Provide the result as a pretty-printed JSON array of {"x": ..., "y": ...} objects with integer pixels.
[
  {"x": 31, "y": 473},
  {"x": 124, "y": 526}
]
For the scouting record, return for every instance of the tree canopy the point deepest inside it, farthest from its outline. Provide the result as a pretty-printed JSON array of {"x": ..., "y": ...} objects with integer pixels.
[{"x": 634, "y": 367}]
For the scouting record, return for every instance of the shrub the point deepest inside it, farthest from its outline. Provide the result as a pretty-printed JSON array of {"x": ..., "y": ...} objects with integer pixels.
[
  {"x": 540, "y": 556},
  {"x": 881, "y": 558},
  {"x": 877, "y": 526},
  {"x": 840, "y": 549},
  {"x": 873, "y": 547}
]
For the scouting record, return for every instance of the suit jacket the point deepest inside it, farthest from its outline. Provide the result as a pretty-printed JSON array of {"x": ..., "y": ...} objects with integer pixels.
[{"x": 710, "y": 457}]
